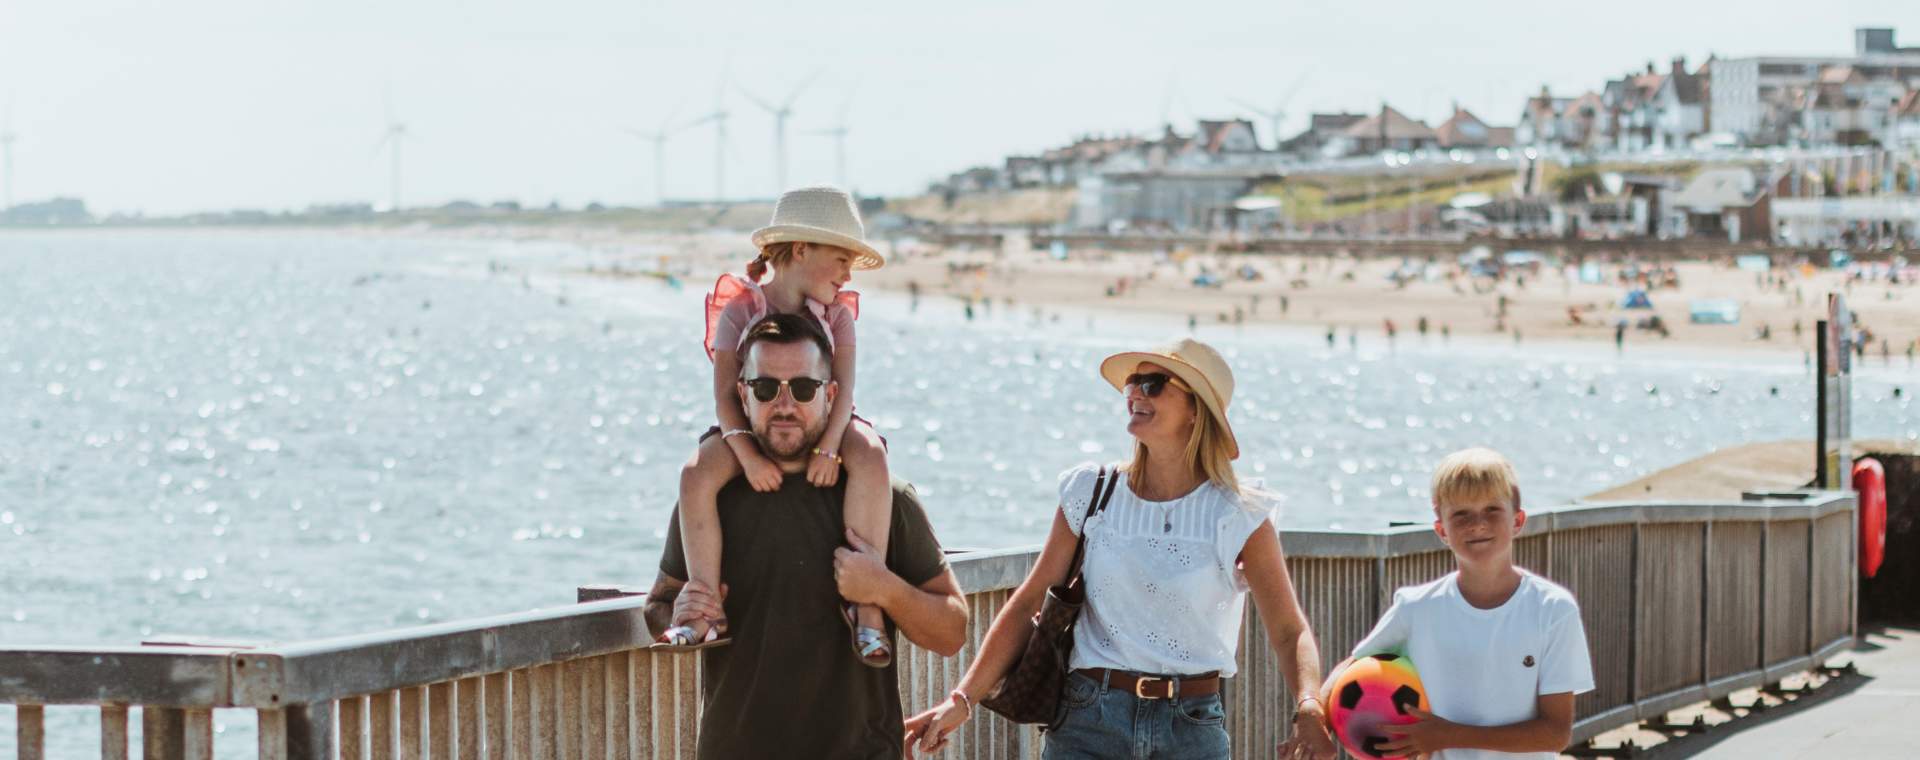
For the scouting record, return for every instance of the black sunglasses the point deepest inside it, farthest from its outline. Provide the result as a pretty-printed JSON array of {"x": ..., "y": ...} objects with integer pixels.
[
  {"x": 765, "y": 389},
  {"x": 1152, "y": 383}
]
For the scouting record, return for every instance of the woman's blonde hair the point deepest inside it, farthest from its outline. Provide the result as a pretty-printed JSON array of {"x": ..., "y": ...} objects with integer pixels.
[
  {"x": 777, "y": 254},
  {"x": 1207, "y": 452}
]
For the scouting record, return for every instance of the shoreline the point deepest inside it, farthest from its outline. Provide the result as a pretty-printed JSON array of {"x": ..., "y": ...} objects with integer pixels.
[{"x": 1353, "y": 297}]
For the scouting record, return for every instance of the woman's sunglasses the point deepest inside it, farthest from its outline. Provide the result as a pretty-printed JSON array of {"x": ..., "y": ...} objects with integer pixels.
[
  {"x": 766, "y": 389},
  {"x": 1152, "y": 383}
]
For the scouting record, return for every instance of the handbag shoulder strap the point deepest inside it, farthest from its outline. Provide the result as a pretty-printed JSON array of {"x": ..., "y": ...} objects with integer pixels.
[{"x": 1102, "y": 493}]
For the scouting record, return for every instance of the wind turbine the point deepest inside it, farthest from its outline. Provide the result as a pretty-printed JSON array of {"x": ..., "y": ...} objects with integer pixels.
[
  {"x": 659, "y": 139},
  {"x": 780, "y": 114},
  {"x": 1278, "y": 113},
  {"x": 6, "y": 159},
  {"x": 719, "y": 120},
  {"x": 839, "y": 134},
  {"x": 396, "y": 132}
]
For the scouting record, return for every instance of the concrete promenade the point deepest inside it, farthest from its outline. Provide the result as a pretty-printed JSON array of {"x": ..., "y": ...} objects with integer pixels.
[{"x": 1872, "y": 714}]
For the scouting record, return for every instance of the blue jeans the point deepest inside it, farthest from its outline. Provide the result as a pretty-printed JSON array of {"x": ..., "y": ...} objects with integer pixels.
[{"x": 1103, "y": 724}]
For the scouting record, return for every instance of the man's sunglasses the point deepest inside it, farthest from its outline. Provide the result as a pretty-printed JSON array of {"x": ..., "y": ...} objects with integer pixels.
[
  {"x": 1152, "y": 383},
  {"x": 766, "y": 389}
]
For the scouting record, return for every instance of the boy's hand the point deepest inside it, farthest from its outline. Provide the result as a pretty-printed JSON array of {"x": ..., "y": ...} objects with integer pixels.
[
  {"x": 1431, "y": 733},
  {"x": 762, "y": 473},
  {"x": 823, "y": 471}
]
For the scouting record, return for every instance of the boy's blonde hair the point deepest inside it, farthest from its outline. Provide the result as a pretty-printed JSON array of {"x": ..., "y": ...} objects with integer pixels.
[{"x": 1474, "y": 476}]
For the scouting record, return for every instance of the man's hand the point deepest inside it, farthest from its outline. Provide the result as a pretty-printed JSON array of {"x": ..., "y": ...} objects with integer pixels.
[
  {"x": 697, "y": 602},
  {"x": 762, "y": 473},
  {"x": 862, "y": 573},
  {"x": 1430, "y": 733}
]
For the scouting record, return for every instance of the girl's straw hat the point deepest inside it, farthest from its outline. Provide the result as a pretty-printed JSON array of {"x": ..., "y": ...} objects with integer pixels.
[
  {"x": 1197, "y": 365},
  {"x": 825, "y": 215}
]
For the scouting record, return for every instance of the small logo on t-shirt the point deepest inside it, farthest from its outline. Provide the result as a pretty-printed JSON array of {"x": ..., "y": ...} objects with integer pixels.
[{"x": 1527, "y": 662}]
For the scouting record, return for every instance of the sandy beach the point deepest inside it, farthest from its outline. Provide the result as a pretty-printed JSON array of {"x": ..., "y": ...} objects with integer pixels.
[{"x": 1354, "y": 298}]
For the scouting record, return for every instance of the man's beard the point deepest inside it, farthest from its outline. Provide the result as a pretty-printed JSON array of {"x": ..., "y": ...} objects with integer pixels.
[{"x": 793, "y": 449}]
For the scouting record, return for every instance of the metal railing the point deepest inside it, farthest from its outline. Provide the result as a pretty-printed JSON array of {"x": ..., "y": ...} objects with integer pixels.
[{"x": 1682, "y": 602}]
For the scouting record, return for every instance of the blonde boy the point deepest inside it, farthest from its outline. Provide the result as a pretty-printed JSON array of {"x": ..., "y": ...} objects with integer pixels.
[{"x": 1500, "y": 650}]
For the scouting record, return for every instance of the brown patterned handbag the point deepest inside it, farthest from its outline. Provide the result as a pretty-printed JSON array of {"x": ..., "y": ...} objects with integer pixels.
[{"x": 1030, "y": 693}]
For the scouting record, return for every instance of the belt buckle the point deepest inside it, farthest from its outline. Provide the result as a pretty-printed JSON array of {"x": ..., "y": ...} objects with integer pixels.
[{"x": 1140, "y": 688}]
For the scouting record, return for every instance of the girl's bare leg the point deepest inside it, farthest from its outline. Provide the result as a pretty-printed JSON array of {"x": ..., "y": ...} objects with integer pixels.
[
  {"x": 701, "y": 478},
  {"x": 869, "y": 501}
]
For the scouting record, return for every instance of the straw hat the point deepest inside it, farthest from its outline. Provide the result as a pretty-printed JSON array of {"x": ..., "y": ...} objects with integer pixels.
[
  {"x": 825, "y": 215},
  {"x": 1196, "y": 364}
]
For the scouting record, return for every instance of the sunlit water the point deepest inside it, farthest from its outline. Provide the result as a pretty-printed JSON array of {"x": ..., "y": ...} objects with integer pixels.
[{"x": 285, "y": 437}]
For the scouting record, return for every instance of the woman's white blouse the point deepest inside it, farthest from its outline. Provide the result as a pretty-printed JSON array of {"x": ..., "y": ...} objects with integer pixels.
[{"x": 1164, "y": 594}]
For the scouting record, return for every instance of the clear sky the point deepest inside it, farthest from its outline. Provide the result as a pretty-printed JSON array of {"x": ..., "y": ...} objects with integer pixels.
[{"x": 186, "y": 105}]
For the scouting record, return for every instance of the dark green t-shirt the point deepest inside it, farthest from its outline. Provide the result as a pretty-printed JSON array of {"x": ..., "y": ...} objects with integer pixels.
[{"x": 790, "y": 684}]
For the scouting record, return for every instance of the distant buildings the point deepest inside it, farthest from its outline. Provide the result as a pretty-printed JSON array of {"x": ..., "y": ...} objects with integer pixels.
[
  {"x": 1322, "y": 130},
  {"x": 1849, "y": 128},
  {"x": 1387, "y": 129},
  {"x": 1728, "y": 204},
  {"x": 59, "y": 211},
  {"x": 1800, "y": 100},
  {"x": 1466, "y": 131},
  {"x": 1547, "y": 120}
]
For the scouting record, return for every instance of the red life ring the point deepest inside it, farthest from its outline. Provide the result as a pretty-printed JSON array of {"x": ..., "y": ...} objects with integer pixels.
[{"x": 1870, "y": 480}]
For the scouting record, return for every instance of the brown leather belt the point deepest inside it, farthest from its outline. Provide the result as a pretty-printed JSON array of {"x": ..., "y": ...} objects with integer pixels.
[{"x": 1151, "y": 686}]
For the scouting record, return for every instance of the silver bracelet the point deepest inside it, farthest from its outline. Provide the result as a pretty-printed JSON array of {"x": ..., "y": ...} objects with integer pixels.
[
  {"x": 736, "y": 431},
  {"x": 962, "y": 696}
]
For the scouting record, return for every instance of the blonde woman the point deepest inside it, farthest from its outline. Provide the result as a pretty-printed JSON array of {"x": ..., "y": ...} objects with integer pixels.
[{"x": 1169, "y": 563}]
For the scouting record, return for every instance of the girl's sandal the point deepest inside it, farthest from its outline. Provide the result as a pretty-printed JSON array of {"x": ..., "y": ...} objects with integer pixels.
[
  {"x": 683, "y": 638},
  {"x": 870, "y": 645}
]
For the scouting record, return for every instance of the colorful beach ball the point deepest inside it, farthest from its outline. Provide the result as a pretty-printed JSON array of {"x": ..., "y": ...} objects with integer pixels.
[{"x": 1374, "y": 692}]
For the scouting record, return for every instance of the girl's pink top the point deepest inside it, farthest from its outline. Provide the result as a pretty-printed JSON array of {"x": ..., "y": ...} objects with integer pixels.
[{"x": 736, "y": 303}]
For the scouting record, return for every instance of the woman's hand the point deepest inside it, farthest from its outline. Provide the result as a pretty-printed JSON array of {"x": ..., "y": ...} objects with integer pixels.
[
  {"x": 928, "y": 731},
  {"x": 762, "y": 473},
  {"x": 1310, "y": 740},
  {"x": 823, "y": 470}
]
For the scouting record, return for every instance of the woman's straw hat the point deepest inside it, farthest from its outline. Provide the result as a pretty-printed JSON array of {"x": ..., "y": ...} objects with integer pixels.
[
  {"x": 825, "y": 215},
  {"x": 1197, "y": 365}
]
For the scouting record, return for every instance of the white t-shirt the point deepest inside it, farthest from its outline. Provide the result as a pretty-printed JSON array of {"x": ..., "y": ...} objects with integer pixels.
[
  {"x": 1486, "y": 667},
  {"x": 1164, "y": 594}
]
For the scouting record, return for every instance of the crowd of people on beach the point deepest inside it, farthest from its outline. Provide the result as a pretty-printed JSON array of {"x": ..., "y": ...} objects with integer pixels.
[{"x": 796, "y": 557}]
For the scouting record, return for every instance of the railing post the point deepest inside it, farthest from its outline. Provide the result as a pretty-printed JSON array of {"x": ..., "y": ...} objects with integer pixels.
[
  {"x": 1706, "y": 602},
  {"x": 30, "y": 733},
  {"x": 1636, "y": 625},
  {"x": 310, "y": 731},
  {"x": 163, "y": 733},
  {"x": 600, "y": 591},
  {"x": 113, "y": 732},
  {"x": 1766, "y": 538},
  {"x": 1813, "y": 589}
]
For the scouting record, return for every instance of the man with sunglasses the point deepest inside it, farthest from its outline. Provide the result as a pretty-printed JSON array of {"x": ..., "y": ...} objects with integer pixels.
[{"x": 788, "y": 686}]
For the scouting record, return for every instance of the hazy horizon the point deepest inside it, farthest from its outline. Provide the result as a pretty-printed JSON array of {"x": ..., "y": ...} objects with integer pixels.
[{"x": 220, "y": 104}]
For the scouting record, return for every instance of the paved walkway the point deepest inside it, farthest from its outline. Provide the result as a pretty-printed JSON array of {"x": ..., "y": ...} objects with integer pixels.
[{"x": 1872, "y": 715}]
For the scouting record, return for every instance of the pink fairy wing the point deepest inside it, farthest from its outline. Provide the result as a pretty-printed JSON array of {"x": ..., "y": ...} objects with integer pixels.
[
  {"x": 728, "y": 288},
  {"x": 851, "y": 301}
]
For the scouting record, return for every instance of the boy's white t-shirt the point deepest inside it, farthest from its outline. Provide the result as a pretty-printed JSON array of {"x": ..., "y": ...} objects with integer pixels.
[{"x": 1487, "y": 667}]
